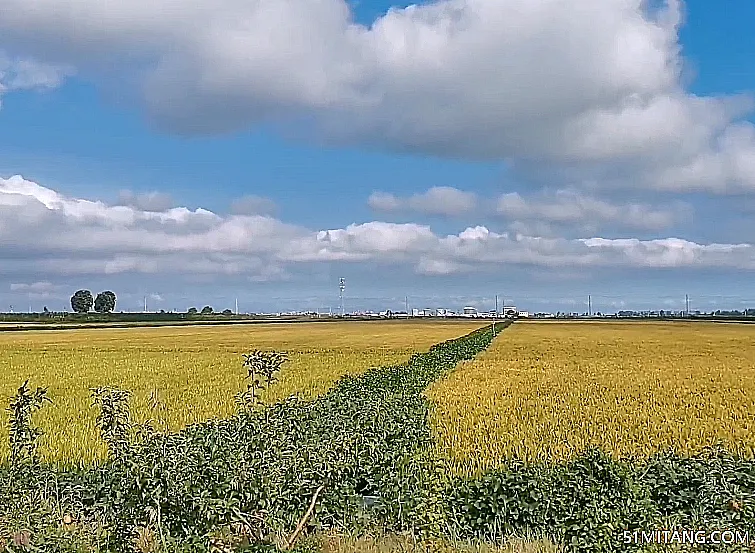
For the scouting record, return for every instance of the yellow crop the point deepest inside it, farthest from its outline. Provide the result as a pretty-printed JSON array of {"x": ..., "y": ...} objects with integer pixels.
[
  {"x": 183, "y": 375},
  {"x": 547, "y": 390}
]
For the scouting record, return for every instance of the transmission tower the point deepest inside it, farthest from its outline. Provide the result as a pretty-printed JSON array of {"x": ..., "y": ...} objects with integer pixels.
[{"x": 341, "y": 288}]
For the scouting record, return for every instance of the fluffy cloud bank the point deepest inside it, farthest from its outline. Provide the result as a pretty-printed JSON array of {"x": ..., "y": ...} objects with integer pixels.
[
  {"x": 45, "y": 233},
  {"x": 590, "y": 88}
]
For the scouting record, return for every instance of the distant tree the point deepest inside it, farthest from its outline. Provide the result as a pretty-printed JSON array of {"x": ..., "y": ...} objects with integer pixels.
[
  {"x": 207, "y": 310},
  {"x": 105, "y": 302},
  {"x": 82, "y": 301},
  {"x": 45, "y": 310},
  {"x": 227, "y": 312},
  {"x": 192, "y": 311}
]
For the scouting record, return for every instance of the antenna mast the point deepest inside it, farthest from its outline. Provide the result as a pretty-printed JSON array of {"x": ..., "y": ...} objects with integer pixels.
[{"x": 341, "y": 288}]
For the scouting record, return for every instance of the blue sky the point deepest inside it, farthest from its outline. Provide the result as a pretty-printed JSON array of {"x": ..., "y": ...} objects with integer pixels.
[{"x": 456, "y": 150}]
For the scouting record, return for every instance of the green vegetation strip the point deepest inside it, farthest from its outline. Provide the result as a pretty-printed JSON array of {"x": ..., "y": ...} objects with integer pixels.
[
  {"x": 360, "y": 455},
  {"x": 595, "y": 503}
]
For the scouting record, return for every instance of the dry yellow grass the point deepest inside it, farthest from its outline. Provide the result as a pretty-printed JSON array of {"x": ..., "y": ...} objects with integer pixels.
[
  {"x": 545, "y": 391},
  {"x": 192, "y": 372},
  {"x": 400, "y": 544}
]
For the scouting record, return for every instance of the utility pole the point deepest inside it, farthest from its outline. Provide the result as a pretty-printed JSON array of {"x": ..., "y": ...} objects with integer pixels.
[
  {"x": 686, "y": 305},
  {"x": 237, "y": 306},
  {"x": 145, "y": 304},
  {"x": 589, "y": 306},
  {"x": 495, "y": 316},
  {"x": 406, "y": 304}
]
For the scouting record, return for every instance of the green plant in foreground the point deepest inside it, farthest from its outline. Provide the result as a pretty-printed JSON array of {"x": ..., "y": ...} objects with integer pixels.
[
  {"x": 262, "y": 371},
  {"x": 114, "y": 420},
  {"x": 23, "y": 436}
]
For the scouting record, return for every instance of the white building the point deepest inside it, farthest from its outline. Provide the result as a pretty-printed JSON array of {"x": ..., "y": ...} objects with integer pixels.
[
  {"x": 470, "y": 311},
  {"x": 524, "y": 314}
]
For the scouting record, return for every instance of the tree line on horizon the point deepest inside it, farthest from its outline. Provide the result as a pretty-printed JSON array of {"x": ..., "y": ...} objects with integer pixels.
[{"x": 83, "y": 301}]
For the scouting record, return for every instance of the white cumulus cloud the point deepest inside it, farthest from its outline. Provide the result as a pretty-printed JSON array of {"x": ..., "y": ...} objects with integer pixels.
[
  {"x": 43, "y": 232},
  {"x": 587, "y": 87}
]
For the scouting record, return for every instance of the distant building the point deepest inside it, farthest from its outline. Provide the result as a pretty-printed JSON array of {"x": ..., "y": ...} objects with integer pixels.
[
  {"x": 510, "y": 311},
  {"x": 470, "y": 311},
  {"x": 524, "y": 314}
]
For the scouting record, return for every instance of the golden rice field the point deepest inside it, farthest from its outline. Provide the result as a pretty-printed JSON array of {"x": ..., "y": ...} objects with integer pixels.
[
  {"x": 547, "y": 390},
  {"x": 183, "y": 375}
]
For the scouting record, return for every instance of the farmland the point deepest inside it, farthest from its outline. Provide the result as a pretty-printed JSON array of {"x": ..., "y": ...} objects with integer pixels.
[
  {"x": 546, "y": 391},
  {"x": 448, "y": 447},
  {"x": 184, "y": 375},
  {"x": 245, "y": 478}
]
